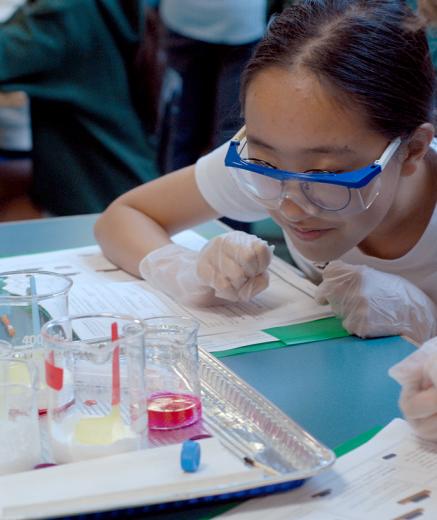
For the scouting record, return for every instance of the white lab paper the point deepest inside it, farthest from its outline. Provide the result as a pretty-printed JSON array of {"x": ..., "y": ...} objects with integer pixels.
[
  {"x": 100, "y": 286},
  {"x": 280, "y": 304},
  {"x": 85, "y": 264},
  {"x": 391, "y": 477},
  {"x": 227, "y": 341},
  {"x": 129, "y": 479}
]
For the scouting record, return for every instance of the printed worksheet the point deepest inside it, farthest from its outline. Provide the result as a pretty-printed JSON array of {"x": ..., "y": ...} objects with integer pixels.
[
  {"x": 391, "y": 477},
  {"x": 100, "y": 286}
]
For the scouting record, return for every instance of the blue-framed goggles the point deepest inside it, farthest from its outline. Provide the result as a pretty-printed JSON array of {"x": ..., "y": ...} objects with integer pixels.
[{"x": 346, "y": 192}]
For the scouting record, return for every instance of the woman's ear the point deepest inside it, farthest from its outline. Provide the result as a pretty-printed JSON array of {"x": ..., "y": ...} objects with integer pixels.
[{"x": 416, "y": 148}]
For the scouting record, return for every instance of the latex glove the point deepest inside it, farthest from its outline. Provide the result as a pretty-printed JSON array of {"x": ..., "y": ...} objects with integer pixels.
[
  {"x": 230, "y": 267},
  {"x": 418, "y": 401},
  {"x": 373, "y": 303}
]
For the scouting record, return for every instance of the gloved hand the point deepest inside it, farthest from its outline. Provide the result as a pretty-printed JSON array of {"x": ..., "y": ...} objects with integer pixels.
[
  {"x": 373, "y": 303},
  {"x": 230, "y": 267},
  {"x": 418, "y": 401}
]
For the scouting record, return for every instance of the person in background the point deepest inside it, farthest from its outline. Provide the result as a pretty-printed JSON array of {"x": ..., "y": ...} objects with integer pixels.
[
  {"x": 76, "y": 61},
  {"x": 427, "y": 9},
  {"x": 208, "y": 45},
  {"x": 15, "y": 145},
  {"x": 15, "y": 158},
  {"x": 338, "y": 149}
]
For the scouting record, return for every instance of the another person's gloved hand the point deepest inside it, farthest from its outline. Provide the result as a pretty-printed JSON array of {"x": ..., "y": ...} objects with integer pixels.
[
  {"x": 418, "y": 401},
  {"x": 230, "y": 267},
  {"x": 373, "y": 303}
]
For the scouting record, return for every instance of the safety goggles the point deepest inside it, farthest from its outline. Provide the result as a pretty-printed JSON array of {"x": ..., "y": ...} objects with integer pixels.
[{"x": 315, "y": 191}]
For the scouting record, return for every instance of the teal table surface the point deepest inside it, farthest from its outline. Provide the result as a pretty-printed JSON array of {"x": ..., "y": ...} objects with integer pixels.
[{"x": 335, "y": 389}]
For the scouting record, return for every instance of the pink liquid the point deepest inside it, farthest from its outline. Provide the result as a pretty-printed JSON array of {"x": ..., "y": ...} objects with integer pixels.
[{"x": 167, "y": 410}]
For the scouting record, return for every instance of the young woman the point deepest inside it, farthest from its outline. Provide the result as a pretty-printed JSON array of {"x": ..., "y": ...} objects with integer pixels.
[{"x": 337, "y": 102}]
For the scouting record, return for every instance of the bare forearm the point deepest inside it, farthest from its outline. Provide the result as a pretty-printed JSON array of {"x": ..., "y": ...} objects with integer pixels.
[
  {"x": 143, "y": 219},
  {"x": 126, "y": 235}
]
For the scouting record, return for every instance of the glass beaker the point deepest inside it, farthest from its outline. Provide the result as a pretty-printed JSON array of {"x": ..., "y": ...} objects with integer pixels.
[
  {"x": 95, "y": 376},
  {"x": 172, "y": 372},
  {"x": 20, "y": 445},
  {"x": 28, "y": 299}
]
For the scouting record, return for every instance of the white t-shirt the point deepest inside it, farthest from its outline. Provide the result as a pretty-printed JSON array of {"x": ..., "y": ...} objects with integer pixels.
[
  {"x": 230, "y": 22},
  {"x": 8, "y": 7},
  {"x": 222, "y": 193}
]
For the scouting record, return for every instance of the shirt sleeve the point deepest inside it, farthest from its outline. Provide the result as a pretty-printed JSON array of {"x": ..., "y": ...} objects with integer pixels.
[
  {"x": 34, "y": 41},
  {"x": 220, "y": 190}
]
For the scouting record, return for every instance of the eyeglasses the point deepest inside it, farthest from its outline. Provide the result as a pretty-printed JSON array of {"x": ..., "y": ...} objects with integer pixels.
[{"x": 346, "y": 193}]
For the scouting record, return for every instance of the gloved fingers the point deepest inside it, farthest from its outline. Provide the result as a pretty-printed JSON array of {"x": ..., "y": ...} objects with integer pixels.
[
  {"x": 233, "y": 259},
  {"x": 340, "y": 288},
  {"x": 338, "y": 268},
  {"x": 253, "y": 287},
  {"x": 419, "y": 405},
  {"x": 429, "y": 346},
  {"x": 358, "y": 324},
  {"x": 261, "y": 255},
  {"x": 222, "y": 273},
  {"x": 320, "y": 297},
  {"x": 203, "y": 297},
  {"x": 373, "y": 303},
  {"x": 228, "y": 293},
  {"x": 425, "y": 428},
  {"x": 237, "y": 273},
  {"x": 366, "y": 322},
  {"x": 214, "y": 260},
  {"x": 223, "y": 286},
  {"x": 353, "y": 326},
  {"x": 250, "y": 289},
  {"x": 410, "y": 372},
  {"x": 250, "y": 252}
]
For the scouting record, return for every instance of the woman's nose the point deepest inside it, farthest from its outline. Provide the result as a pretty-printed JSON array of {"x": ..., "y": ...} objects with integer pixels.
[{"x": 295, "y": 209}]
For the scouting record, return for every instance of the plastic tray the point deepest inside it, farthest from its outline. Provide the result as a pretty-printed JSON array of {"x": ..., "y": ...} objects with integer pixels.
[{"x": 248, "y": 425}]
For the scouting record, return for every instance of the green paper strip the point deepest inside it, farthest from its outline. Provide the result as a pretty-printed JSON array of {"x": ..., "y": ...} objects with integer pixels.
[
  {"x": 318, "y": 330},
  {"x": 356, "y": 442},
  {"x": 249, "y": 348}
]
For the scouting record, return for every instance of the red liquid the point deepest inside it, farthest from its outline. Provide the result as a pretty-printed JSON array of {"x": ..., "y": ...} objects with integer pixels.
[{"x": 167, "y": 410}]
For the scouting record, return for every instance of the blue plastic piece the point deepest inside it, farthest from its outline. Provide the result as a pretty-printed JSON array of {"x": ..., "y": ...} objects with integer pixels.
[{"x": 190, "y": 456}]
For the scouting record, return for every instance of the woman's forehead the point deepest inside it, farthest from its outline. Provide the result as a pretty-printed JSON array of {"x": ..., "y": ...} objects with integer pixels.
[{"x": 281, "y": 105}]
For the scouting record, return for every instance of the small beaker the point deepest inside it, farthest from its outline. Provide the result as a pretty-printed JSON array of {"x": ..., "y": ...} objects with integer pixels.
[
  {"x": 20, "y": 445},
  {"x": 28, "y": 299},
  {"x": 172, "y": 372},
  {"x": 95, "y": 376}
]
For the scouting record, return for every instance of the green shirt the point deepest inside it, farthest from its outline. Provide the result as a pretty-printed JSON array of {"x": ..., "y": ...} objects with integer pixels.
[{"x": 75, "y": 59}]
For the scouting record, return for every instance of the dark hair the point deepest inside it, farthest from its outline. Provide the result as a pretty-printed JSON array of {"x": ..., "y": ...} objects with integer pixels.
[{"x": 375, "y": 51}]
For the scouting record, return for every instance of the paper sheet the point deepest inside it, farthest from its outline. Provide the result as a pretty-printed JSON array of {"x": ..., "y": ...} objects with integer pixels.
[
  {"x": 85, "y": 264},
  {"x": 99, "y": 286},
  {"x": 280, "y": 304},
  {"x": 391, "y": 477},
  {"x": 223, "y": 342},
  {"x": 135, "y": 478}
]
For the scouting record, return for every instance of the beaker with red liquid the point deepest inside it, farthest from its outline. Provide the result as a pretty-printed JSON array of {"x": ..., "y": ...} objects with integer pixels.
[{"x": 172, "y": 372}]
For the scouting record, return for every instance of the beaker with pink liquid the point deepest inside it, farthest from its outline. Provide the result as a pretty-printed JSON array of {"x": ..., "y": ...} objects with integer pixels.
[{"x": 172, "y": 372}]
